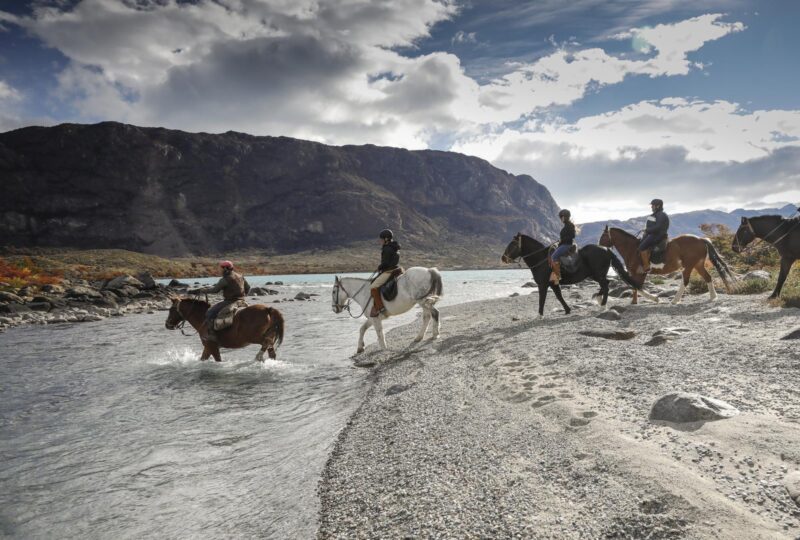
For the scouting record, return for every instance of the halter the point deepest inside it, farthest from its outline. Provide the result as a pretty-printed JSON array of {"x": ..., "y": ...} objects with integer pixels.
[
  {"x": 522, "y": 256},
  {"x": 182, "y": 322},
  {"x": 764, "y": 238}
]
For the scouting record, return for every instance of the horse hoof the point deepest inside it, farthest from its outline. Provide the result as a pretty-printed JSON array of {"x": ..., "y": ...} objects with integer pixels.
[
  {"x": 359, "y": 350},
  {"x": 417, "y": 339}
]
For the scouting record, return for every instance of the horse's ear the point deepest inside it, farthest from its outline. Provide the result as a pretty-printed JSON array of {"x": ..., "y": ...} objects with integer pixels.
[{"x": 744, "y": 220}]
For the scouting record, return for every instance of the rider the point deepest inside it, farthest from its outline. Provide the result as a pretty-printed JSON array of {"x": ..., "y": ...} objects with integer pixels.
[
  {"x": 655, "y": 231},
  {"x": 234, "y": 287},
  {"x": 390, "y": 260},
  {"x": 566, "y": 241}
]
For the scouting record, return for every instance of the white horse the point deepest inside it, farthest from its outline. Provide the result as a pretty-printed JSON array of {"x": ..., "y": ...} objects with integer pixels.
[{"x": 417, "y": 286}]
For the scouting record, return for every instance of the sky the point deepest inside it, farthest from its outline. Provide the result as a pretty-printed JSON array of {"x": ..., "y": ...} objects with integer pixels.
[{"x": 608, "y": 103}]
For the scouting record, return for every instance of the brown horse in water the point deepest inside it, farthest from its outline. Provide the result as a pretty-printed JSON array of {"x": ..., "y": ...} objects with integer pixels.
[
  {"x": 253, "y": 325},
  {"x": 686, "y": 252}
]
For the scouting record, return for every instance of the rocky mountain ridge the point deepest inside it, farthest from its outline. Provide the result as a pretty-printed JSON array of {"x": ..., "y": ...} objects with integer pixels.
[{"x": 169, "y": 192}]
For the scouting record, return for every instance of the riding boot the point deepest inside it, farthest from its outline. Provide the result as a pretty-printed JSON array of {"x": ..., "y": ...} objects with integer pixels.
[
  {"x": 645, "y": 261},
  {"x": 377, "y": 303},
  {"x": 555, "y": 277}
]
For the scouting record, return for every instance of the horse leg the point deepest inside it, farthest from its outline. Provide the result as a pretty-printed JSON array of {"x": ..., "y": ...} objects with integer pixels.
[
  {"x": 603, "y": 290},
  {"x": 361, "y": 332},
  {"x": 435, "y": 316},
  {"x": 701, "y": 269},
  {"x": 268, "y": 346},
  {"x": 214, "y": 348},
  {"x": 542, "y": 298},
  {"x": 557, "y": 291},
  {"x": 426, "y": 320},
  {"x": 687, "y": 272},
  {"x": 786, "y": 266},
  {"x": 378, "y": 324},
  {"x": 206, "y": 353},
  {"x": 635, "y": 298}
]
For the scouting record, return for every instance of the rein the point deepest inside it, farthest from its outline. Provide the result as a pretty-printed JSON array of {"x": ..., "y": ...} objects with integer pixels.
[
  {"x": 346, "y": 307},
  {"x": 181, "y": 324},
  {"x": 522, "y": 257},
  {"x": 764, "y": 238}
]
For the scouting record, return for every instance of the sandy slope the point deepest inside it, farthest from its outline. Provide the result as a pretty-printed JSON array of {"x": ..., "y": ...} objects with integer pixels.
[{"x": 512, "y": 427}]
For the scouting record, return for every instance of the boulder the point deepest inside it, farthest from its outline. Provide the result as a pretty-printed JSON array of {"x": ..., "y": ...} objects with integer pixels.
[
  {"x": 40, "y": 306},
  {"x": 79, "y": 291},
  {"x": 683, "y": 407},
  {"x": 52, "y": 289},
  {"x": 14, "y": 308},
  {"x": 792, "y": 484},
  {"x": 302, "y": 296},
  {"x": 177, "y": 284},
  {"x": 147, "y": 281},
  {"x": 757, "y": 274},
  {"x": 124, "y": 281},
  {"x": 609, "y": 316},
  {"x": 278, "y": 283},
  {"x": 262, "y": 291},
  {"x": 10, "y": 297},
  {"x": 794, "y": 334},
  {"x": 512, "y": 295},
  {"x": 616, "y": 292},
  {"x": 126, "y": 290},
  {"x": 620, "y": 335},
  {"x": 529, "y": 285},
  {"x": 667, "y": 334}
]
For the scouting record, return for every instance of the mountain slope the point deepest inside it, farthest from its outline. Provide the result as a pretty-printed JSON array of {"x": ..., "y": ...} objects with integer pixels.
[{"x": 169, "y": 192}]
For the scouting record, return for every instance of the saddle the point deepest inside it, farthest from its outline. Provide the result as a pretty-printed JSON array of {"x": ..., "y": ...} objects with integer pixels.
[
  {"x": 225, "y": 317},
  {"x": 569, "y": 262},
  {"x": 389, "y": 289},
  {"x": 658, "y": 252}
]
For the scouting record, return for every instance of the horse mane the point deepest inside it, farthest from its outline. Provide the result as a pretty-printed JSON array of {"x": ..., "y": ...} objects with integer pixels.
[
  {"x": 534, "y": 240},
  {"x": 623, "y": 231},
  {"x": 774, "y": 216},
  {"x": 195, "y": 302}
]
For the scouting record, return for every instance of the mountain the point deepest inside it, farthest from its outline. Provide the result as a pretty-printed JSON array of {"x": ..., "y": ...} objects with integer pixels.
[
  {"x": 169, "y": 192},
  {"x": 687, "y": 222}
]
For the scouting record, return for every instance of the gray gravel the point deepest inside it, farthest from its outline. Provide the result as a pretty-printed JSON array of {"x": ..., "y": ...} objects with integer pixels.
[{"x": 513, "y": 427}]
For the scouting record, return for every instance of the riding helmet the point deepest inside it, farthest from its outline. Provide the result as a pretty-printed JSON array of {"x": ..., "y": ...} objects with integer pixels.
[
  {"x": 226, "y": 264},
  {"x": 565, "y": 213},
  {"x": 386, "y": 234},
  {"x": 657, "y": 202}
]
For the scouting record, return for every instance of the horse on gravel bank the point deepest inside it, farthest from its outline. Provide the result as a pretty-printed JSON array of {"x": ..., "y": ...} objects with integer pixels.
[
  {"x": 253, "y": 325},
  {"x": 686, "y": 252},
  {"x": 417, "y": 286},
  {"x": 593, "y": 262},
  {"x": 782, "y": 233}
]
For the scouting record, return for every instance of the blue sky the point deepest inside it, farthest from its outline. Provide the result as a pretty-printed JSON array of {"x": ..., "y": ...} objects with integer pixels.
[{"x": 609, "y": 103}]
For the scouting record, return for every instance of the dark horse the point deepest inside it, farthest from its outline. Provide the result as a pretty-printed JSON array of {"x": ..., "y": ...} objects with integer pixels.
[
  {"x": 783, "y": 233},
  {"x": 593, "y": 263},
  {"x": 253, "y": 325}
]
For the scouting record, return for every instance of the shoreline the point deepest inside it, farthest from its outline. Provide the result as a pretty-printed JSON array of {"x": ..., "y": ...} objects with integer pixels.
[{"x": 509, "y": 426}]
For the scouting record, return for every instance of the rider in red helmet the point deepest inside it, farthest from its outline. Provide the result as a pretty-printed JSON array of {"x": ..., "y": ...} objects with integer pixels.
[{"x": 233, "y": 286}]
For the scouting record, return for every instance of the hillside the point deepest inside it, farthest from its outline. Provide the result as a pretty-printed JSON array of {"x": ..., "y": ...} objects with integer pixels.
[{"x": 169, "y": 192}]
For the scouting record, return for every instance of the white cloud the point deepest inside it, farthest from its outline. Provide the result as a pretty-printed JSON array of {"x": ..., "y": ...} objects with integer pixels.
[
  {"x": 8, "y": 92},
  {"x": 464, "y": 37}
]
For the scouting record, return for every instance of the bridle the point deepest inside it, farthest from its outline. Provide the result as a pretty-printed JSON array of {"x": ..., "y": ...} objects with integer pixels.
[
  {"x": 523, "y": 255},
  {"x": 346, "y": 306},
  {"x": 182, "y": 322},
  {"x": 765, "y": 238}
]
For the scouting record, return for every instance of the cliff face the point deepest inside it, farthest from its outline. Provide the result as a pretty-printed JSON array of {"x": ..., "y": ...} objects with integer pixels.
[{"x": 172, "y": 193}]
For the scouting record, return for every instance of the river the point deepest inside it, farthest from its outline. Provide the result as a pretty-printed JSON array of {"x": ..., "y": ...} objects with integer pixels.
[{"x": 114, "y": 429}]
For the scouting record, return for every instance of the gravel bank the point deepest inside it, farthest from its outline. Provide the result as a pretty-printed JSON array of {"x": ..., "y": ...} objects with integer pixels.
[{"x": 513, "y": 427}]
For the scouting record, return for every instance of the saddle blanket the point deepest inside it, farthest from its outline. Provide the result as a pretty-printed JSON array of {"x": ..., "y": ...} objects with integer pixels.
[{"x": 225, "y": 317}]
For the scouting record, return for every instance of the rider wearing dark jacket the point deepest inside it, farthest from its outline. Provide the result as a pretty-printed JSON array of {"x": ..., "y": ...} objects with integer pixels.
[
  {"x": 566, "y": 241},
  {"x": 233, "y": 286},
  {"x": 655, "y": 231},
  {"x": 390, "y": 260}
]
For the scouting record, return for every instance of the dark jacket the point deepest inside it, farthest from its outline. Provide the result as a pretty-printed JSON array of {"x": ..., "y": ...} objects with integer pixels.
[
  {"x": 232, "y": 285},
  {"x": 567, "y": 236},
  {"x": 658, "y": 224},
  {"x": 390, "y": 258}
]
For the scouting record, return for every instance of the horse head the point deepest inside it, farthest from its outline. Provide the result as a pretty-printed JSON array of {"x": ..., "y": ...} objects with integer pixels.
[
  {"x": 605, "y": 238},
  {"x": 339, "y": 296},
  {"x": 513, "y": 249},
  {"x": 174, "y": 316},
  {"x": 744, "y": 235}
]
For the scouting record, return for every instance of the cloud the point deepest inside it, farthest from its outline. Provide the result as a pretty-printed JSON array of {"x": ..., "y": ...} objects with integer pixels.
[
  {"x": 464, "y": 37},
  {"x": 8, "y": 92}
]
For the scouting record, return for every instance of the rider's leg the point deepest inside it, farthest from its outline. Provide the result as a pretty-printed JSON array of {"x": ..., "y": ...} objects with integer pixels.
[
  {"x": 555, "y": 276},
  {"x": 644, "y": 251},
  {"x": 375, "y": 291},
  {"x": 211, "y": 315}
]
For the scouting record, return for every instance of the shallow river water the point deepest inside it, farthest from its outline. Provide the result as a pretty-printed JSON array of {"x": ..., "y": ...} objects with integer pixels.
[{"x": 114, "y": 429}]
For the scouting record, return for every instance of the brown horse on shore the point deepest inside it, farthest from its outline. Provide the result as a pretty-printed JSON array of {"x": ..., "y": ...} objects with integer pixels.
[
  {"x": 253, "y": 325},
  {"x": 686, "y": 252}
]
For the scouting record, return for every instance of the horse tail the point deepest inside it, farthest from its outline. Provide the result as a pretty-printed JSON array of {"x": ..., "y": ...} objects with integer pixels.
[
  {"x": 719, "y": 263},
  {"x": 436, "y": 290},
  {"x": 621, "y": 271},
  {"x": 277, "y": 323}
]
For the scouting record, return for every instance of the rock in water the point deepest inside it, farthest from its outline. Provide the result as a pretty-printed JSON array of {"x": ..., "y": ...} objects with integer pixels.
[
  {"x": 620, "y": 335},
  {"x": 682, "y": 407},
  {"x": 529, "y": 285}
]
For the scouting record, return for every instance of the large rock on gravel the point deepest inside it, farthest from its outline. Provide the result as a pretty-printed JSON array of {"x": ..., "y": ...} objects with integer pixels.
[
  {"x": 682, "y": 407},
  {"x": 757, "y": 274},
  {"x": 620, "y": 335},
  {"x": 609, "y": 316},
  {"x": 147, "y": 281},
  {"x": 124, "y": 281},
  {"x": 792, "y": 484},
  {"x": 14, "y": 308},
  {"x": 9, "y": 297},
  {"x": 79, "y": 291},
  {"x": 794, "y": 334},
  {"x": 667, "y": 334},
  {"x": 529, "y": 285}
]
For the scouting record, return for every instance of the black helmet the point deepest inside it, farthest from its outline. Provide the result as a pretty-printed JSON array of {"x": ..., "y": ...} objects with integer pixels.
[
  {"x": 565, "y": 213},
  {"x": 657, "y": 202},
  {"x": 386, "y": 234}
]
